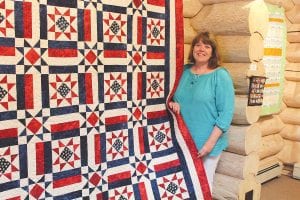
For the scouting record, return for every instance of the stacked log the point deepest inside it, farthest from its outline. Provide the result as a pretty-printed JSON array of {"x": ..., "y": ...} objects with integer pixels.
[
  {"x": 270, "y": 125},
  {"x": 290, "y": 152},
  {"x": 289, "y": 155},
  {"x": 294, "y": 14},
  {"x": 240, "y": 38},
  {"x": 286, "y": 4},
  {"x": 244, "y": 114},
  {"x": 190, "y": 9},
  {"x": 293, "y": 52},
  {"x": 290, "y": 133},
  {"x": 238, "y": 166},
  {"x": 293, "y": 33},
  {"x": 292, "y": 90},
  {"x": 272, "y": 143},
  {"x": 240, "y": 48},
  {"x": 239, "y": 18},
  {"x": 240, "y": 73},
  {"x": 292, "y": 71},
  {"x": 227, "y": 187},
  {"x": 244, "y": 140},
  {"x": 209, "y": 2}
]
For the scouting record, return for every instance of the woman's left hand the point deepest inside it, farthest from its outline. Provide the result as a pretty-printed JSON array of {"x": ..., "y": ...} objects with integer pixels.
[
  {"x": 206, "y": 149},
  {"x": 210, "y": 143}
]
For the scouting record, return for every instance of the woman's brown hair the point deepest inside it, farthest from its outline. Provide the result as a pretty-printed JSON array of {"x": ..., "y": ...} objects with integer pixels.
[{"x": 205, "y": 37}]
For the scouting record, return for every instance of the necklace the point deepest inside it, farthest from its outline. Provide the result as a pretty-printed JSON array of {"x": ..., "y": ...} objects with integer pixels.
[{"x": 194, "y": 78}]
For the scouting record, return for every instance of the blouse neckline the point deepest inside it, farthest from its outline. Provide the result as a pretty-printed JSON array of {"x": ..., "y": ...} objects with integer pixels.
[{"x": 208, "y": 73}]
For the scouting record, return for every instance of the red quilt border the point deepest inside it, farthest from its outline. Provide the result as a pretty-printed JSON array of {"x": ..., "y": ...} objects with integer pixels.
[{"x": 181, "y": 124}]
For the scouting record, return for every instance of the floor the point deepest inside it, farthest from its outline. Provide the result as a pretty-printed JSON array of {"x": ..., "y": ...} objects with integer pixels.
[{"x": 282, "y": 188}]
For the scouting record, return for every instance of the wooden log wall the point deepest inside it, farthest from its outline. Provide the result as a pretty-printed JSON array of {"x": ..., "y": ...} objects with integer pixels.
[
  {"x": 290, "y": 115},
  {"x": 273, "y": 139},
  {"x": 272, "y": 143},
  {"x": 239, "y": 28}
]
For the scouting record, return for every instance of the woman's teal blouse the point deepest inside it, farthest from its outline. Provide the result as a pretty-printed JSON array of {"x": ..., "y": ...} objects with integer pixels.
[{"x": 206, "y": 101}]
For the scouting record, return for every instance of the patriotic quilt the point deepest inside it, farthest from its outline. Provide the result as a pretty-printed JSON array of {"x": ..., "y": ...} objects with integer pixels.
[{"x": 83, "y": 92}]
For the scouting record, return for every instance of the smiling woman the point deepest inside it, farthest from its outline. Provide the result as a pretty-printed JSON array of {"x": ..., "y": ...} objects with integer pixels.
[
  {"x": 205, "y": 98},
  {"x": 204, "y": 50}
]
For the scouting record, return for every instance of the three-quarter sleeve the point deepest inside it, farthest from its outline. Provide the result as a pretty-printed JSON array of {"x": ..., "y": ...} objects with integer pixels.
[{"x": 224, "y": 99}]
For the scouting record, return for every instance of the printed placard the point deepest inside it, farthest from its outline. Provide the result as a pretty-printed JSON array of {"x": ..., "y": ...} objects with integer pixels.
[{"x": 256, "y": 90}]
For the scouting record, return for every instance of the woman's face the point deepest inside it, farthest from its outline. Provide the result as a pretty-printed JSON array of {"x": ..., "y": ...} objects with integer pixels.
[{"x": 202, "y": 52}]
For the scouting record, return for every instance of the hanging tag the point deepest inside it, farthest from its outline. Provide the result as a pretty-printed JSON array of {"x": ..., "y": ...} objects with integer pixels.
[{"x": 256, "y": 90}]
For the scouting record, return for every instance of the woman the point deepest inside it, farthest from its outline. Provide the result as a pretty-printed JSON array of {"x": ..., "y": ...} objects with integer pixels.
[{"x": 205, "y": 98}]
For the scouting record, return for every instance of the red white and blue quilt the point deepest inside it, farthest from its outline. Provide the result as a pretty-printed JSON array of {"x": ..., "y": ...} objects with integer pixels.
[{"x": 83, "y": 92}]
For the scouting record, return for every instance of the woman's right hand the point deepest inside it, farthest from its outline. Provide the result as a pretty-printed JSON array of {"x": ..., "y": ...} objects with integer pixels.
[{"x": 175, "y": 107}]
